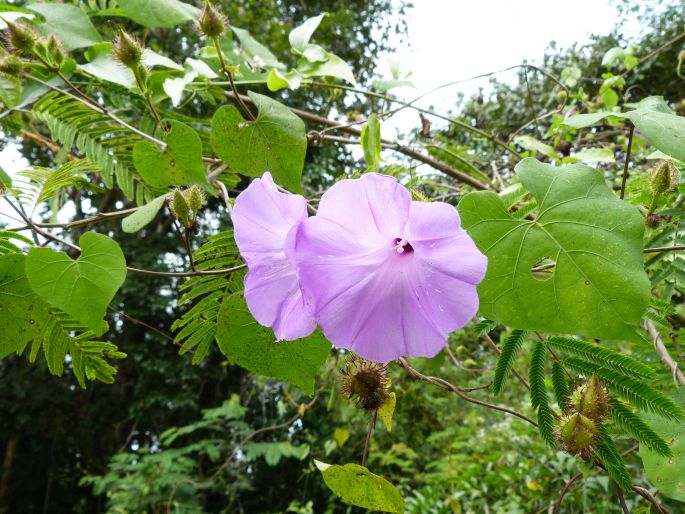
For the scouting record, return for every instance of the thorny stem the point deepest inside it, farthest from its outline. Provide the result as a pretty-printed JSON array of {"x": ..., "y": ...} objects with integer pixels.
[
  {"x": 247, "y": 112},
  {"x": 625, "y": 165},
  {"x": 372, "y": 425}
]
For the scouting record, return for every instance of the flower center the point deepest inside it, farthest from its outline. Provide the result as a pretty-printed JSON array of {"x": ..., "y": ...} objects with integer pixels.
[{"x": 402, "y": 246}]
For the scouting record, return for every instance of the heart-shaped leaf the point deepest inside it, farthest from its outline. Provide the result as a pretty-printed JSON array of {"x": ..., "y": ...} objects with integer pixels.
[
  {"x": 179, "y": 164},
  {"x": 83, "y": 288},
  {"x": 24, "y": 316},
  {"x": 356, "y": 485},
  {"x": 587, "y": 241},
  {"x": 275, "y": 141},
  {"x": 253, "y": 347}
]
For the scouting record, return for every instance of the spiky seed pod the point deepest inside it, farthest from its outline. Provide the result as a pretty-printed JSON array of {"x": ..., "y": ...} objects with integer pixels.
[
  {"x": 11, "y": 65},
  {"x": 364, "y": 382},
  {"x": 196, "y": 198},
  {"x": 591, "y": 399},
  {"x": 418, "y": 196},
  {"x": 577, "y": 433},
  {"x": 55, "y": 50},
  {"x": 21, "y": 37},
  {"x": 127, "y": 50},
  {"x": 212, "y": 23},
  {"x": 179, "y": 207},
  {"x": 663, "y": 178}
]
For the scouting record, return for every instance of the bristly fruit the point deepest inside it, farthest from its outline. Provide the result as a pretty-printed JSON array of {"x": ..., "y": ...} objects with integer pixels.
[
  {"x": 196, "y": 198},
  {"x": 21, "y": 37},
  {"x": 364, "y": 382},
  {"x": 55, "y": 50},
  {"x": 577, "y": 433},
  {"x": 178, "y": 205},
  {"x": 11, "y": 65},
  {"x": 127, "y": 50},
  {"x": 591, "y": 399},
  {"x": 212, "y": 23},
  {"x": 663, "y": 178}
]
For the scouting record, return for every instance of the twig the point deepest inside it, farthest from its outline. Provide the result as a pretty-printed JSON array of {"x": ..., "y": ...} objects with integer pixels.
[
  {"x": 622, "y": 499},
  {"x": 650, "y": 498},
  {"x": 451, "y": 387},
  {"x": 372, "y": 425},
  {"x": 247, "y": 112},
  {"x": 655, "y": 51},
  {"x": 625, "y": 165},
  {"x": 567, "y": 487},
  {"x": 663, "y": 354}
]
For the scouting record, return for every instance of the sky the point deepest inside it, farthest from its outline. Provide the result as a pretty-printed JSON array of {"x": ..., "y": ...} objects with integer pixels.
[{"x": 454, "y": 39}]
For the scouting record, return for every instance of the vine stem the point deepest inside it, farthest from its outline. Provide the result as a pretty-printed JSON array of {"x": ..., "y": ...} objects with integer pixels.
[
  {"x": 372, "y": 425},
  {"x": 625, "y": 165},
  {"x": 247, "y": 112},
  {"x": 567, "y": 487}
]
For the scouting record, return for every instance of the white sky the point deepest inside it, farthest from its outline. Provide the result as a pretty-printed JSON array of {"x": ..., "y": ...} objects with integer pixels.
[{"x": 456, "y": 39}]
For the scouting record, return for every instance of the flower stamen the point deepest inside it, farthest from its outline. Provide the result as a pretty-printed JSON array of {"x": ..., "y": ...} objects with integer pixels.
[{"x": 402, "y": 246}]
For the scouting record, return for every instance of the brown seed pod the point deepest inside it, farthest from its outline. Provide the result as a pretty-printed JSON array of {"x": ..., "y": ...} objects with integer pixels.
[{"x": 364, "y": 382}]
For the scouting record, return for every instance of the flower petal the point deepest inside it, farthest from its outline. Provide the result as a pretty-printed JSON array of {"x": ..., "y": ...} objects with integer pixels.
[
  {"x": 263, "y": 218},
  {"x": 374, "y": 206}
]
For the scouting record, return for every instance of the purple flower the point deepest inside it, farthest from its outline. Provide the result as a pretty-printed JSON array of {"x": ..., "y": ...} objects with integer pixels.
[
  {"x": 264, "y": 220},
  {"x": 383, "y": 275}
]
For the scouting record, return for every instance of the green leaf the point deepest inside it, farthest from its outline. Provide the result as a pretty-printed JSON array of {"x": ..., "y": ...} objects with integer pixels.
[
  {"x": 534, "y": 145},
  {"x": 254, "y": 347},
  {"x": 665, "y": 131},
  {"x": 571, "y": 75},
  {"x": 179, "y": 164},
  {"x": 371, "y": 142},
  {"x": 83, "y": 288},
  {"x": 511, "y": 346},
  {"x": 24, "y": 315},
  {"x": 143, "y": 215},
  {"x": 68, "y": 23},
  {"x": 386, "y": 410},
  {"x": 159, "y": 13},
  {"x": 254, "y": 52},
  {"x": 579, "y": 121},
  {"x": 612, "y": 460},
  {"x": 356, "y": 485},
  {"x": 299, "y": 37},
  {"x": 341, "y": 435},
  {"x": 275, "y": 141},
  {"x": 627, "y": 420},
  {"x": 277, "y": 80},
  {"x": 595, "y": 155},
  {"x": 538, "y": 394},
  {"x": 561, "y": 385},
  {"x": 598, "y": 288},
  {"x": 613, "y": 56},
  {"x": 324, "y": 64},
  {"x": 667, "y": 473},
  {"x": 5, "y": 179}
]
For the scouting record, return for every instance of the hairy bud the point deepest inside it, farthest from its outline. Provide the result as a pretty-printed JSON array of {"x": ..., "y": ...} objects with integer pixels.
[
  {"x": 179, "y": 207},
  {"x": 577, "y": 433},
  {"x": 196, "y": 198},
  {"x": 55, "y": 51},
  {"x": 127, "y": 50},
  {"x": 11, "y": 65},
  {"x": 211, "y": 22},
  {"x": 591, "y": 399},
  {"x": 364, "y": 382},
  {"x": 663, "y": 178},
  {"x": 21, "y": 37}
]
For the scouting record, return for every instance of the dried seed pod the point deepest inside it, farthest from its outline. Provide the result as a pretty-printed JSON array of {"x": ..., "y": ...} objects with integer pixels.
[{"x": 364, "y": 382}]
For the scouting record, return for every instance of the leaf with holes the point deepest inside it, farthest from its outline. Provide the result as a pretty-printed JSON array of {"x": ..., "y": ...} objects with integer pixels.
[
  {"x": 597, "y": 287},
  {"x": 356, "y": 485},
  {"x": 254, "y": 347},
  {"x": 82, "y": 288},
  {"x": 667, "y": 473},
  {"x": 275, "y": 141},
  {"x": 23, "y": 316},
  {"x": 179, "y": 164}
]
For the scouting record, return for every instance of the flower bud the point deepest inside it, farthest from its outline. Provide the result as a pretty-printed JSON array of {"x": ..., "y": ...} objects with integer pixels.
[
  {"x": 196, "y": 198},
  {"x": 577, "y": 433},
  {"x": 55, "y": 50},
  {"x": 212, "y": 23},
  {"x": 591, "y": 399},
  {"x": 179, "y": 207},
  {"x": 663, "y": 178},
  {"x": 20, "y": 37},
  {"x": 11, "y": 65},
  {"x": 365, "y": 382},
  {"x": 127, "y": 50}
]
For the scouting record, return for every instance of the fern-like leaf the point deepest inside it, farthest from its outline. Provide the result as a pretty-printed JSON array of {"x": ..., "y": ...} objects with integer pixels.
[
  {"x": 484, "y": 326},
  {"x": 601, "y": 356},
  {"x": 633, "y": 424},
  {"x": 63, "y": 336},
  {"x": 612, "y": 460},
  {"x": 48, "y": 182},
  {"x": 196, "y": 328},
  {"x": 505, "y": 363},
  {"x": 6, "y": 244},
  {"x": 638, "y": 393},
  {"x": 538, "y": 393},
  {"x": 561, "y": 384}
]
